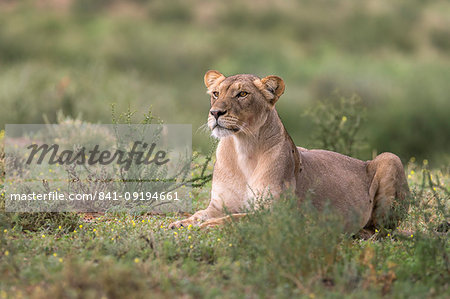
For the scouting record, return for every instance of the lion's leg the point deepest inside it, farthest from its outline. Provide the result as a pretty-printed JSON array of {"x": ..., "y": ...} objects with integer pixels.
[
  {"x": 215, "y": 210},
  {"x": 193, "y": 220},
  {"x": 389, "y": 190},
  {"x": 198, "y": 220},
  {"x": 222, "y": 220}
]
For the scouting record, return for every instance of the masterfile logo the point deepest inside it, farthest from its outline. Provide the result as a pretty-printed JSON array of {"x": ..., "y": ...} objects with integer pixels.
[{"x": 98, "y": 168}]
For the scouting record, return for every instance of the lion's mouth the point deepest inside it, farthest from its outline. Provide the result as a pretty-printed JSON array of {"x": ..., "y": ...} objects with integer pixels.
[
  {"x": 219, "y": 131},
  {"x": 217, "y": 126}
]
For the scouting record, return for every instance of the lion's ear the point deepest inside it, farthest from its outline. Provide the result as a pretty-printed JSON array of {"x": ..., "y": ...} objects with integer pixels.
[
  {"x": 275, "y": 86},
  {"x": 211, "y": 77}
]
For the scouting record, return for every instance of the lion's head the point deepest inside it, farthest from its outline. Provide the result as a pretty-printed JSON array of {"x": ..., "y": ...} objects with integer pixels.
[{"x": 240, "y": 104}]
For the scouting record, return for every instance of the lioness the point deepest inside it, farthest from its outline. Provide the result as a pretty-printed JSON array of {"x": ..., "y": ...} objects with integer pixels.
[{"x": 256, "y": 157}]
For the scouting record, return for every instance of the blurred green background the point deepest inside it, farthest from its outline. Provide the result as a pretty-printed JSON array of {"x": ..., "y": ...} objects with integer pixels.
[{"x": 81, "y": 56}]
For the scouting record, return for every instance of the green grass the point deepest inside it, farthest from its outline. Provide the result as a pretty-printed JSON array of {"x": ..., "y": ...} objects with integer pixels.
[{"x": 283, "y": 252}]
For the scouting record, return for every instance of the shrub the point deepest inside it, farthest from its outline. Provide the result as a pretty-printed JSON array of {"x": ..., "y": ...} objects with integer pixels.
[{"x": 337, "y": 124}]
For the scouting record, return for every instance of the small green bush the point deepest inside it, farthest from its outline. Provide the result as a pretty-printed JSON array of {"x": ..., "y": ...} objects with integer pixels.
[{"x": 337, "y": 124}]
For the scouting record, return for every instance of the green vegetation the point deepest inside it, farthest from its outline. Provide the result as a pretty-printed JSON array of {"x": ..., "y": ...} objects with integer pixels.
[
  {"x": 337, "y": 125},
  {"x": 85, "y": 55}
]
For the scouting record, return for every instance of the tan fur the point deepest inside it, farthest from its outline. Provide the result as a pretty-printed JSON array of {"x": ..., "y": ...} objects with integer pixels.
[{"x": 256, "y": 157}]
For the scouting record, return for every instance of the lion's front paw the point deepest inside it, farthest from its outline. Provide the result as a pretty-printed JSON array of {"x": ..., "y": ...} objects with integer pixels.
[
  {"x": 211, "y": 223},
  {"x": 182, "y": 223}
]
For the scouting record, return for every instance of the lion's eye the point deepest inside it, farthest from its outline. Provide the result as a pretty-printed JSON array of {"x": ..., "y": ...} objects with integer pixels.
[
  {"x": 242, "y": 94},
  {"x": 215, "y": 94}
]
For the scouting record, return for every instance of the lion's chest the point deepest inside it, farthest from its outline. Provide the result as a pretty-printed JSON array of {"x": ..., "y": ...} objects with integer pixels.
[
  {"x": 247, "y": 165},
  {"x": 246, "y": 158},
  {"x": 236, "y": 174}
]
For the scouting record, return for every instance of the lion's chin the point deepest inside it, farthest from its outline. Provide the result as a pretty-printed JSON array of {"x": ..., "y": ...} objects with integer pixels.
[{"x": 220, "y": 132}]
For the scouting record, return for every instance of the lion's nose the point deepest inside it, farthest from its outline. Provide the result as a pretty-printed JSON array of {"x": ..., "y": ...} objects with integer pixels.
[{"x": 217, "y": 113}]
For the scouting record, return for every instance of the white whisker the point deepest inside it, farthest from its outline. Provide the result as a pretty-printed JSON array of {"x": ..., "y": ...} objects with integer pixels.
[{"x": 203, "y": 128}]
